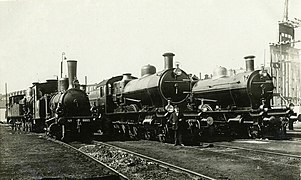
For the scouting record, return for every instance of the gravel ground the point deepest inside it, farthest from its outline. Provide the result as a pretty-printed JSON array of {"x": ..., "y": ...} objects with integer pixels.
[
  {"x": 215, "y": 162},
  {"x": 30, "y": 156},
  {"x": 130, "y": 165}
]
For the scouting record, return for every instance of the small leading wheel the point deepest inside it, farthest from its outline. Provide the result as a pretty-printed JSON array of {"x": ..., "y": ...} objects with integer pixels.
[
  {"x": 162, "y": 138},
  {"x": 253, "y": 131},
  {"x": 55, "y": 131},
  {"x": 147, "y": 135},
  {"x": 133, "y": 132},
  {"x": 162, "y": 135}
]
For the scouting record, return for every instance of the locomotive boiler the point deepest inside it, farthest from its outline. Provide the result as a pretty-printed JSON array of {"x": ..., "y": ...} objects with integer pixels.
[
  {"x": 138, "y": 106},
  {"x": 156, "y": 89},
  {"x": 240, "y": 103}
]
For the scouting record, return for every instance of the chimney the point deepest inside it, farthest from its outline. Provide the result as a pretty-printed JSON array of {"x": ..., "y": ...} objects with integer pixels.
[
  {"x": 249, "y": 63},
  {"x": 71, "y": 72},
  {"x": 168, "y": 60}
]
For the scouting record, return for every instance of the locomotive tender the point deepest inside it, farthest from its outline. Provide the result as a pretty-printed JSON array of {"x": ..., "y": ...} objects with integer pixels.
[
  {"x": 138, "y": 106},
  {"x": 62, "y": 109},
  {"x": 239, "y": 103}
]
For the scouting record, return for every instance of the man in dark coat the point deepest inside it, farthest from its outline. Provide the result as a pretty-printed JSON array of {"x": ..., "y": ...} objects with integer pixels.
[{"x": 175, "y": 118}]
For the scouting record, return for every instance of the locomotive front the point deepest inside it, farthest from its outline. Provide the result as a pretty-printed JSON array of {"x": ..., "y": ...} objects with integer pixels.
[
  {"x": 245, "y": 90},
  {"x": 243, "y": 98},
  {"x": 70, "y": 110}
]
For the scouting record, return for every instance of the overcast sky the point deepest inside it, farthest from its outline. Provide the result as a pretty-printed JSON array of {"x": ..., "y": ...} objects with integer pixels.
[{"x": 112, "y": 37}]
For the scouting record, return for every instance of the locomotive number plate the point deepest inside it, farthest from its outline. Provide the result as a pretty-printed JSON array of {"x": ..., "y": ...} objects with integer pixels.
[{"x": 86, "y": 120}]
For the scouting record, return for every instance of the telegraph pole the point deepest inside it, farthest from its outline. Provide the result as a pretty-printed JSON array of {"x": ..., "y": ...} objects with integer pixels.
[
  {"x": 63, "y": 58},
  {"x": 6, "y": 103}
]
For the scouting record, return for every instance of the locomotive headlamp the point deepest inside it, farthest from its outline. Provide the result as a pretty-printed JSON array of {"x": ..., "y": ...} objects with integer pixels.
[
  {"x": 202, "y": 108},
  {"x": 217, "y": 107},
  {"x": 291, "y": 106},
  {"x": 263, "y": 73},
  {"x": 177, "y": 71},
  {"x": 262, "y": 107},
  {"x": 169, "y": 108},
  {"x": 209, "y": 121}
]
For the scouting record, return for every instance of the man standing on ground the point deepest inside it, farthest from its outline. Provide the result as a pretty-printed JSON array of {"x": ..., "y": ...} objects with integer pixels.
[{"x": 175, "y": 118}]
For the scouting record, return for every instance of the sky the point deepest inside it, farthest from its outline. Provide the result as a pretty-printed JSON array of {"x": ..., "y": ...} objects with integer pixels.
[{"x": 112, "y": 37}]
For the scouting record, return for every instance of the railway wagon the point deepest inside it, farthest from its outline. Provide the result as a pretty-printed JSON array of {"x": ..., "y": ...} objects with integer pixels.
[
  {"x": 138, "y": 107},
  {"x": 239, "y": 104}
]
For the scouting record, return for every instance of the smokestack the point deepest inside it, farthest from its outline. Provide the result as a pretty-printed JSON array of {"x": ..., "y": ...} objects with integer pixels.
[
  {"x": 168, "y": 60},
  {"x": 249, "y": 63},
  {"x": 72, "y": 64}
]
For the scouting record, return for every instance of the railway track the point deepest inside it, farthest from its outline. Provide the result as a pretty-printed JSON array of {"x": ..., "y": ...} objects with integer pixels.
[
  {"x": 219, "y": 162},
  {"x": 118, "y": 174},
  {"x": 192, "y": 174},
  {"x": 170, "y": 169},
  {"x": 260, "y": 151},
  {"x": 280, "y": 158}
]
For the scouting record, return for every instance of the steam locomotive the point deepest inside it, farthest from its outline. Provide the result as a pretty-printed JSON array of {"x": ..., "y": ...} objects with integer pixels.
[
  {"x": 15, "y": 112},
  {"x": 127, "y": 106},
  {"x": 138, "y": 107},
  {"x": 62, "y": 109},
  {"x": 238, "y": 104}
]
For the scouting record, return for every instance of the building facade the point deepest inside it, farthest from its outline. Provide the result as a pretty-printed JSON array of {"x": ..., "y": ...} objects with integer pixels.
[{"x": 285, "y": 66}]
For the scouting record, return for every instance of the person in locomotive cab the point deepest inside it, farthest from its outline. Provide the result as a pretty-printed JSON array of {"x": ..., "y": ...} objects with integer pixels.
[
  {"x": 94, "y": 110},
  {"x": 76, "y": 84},
  {"x": 175, "y": 119}
]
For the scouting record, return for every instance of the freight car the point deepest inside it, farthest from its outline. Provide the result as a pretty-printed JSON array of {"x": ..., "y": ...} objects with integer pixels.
[
  {"x": 240, "y": 104},
  {"x": 15, "y": 112},
  {"x": 60, "y": 107},
  {"x": 138, "y": 107}
]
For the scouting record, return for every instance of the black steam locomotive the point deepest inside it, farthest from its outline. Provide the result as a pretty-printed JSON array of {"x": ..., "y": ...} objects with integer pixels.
[
  {"x": 64, "y": 112},
  {"x": 138, "y": 107},
  {"x": 239, "y": 104}
]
